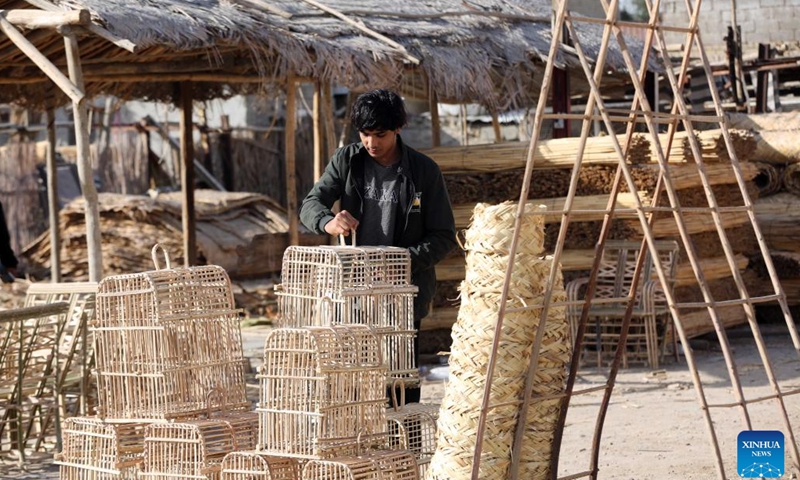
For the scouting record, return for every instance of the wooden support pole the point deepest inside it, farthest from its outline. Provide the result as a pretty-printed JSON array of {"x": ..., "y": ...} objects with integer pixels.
[
  {"x": 74, "y": 92},
  {"x": 318, "y": 134},
  {"x": 328, "y": 119},
  {"x": 498, "y": 135},
  {"x": 436, "y": 126},
  {"x": 226, "y": 153},
  {"x": 291, "y": 175},
  {"x": 85, "y": 171},
  {"x": 33, "y": 19},
  {"x": 52, "y": 196},
  {"x": 187, "y": 175}
]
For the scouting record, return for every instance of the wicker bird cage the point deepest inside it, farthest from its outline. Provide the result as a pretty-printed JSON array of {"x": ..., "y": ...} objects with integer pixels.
[
  {"x": 94, "y": 449},
  {"x": 322, "y": 392},
  {"x": 377, "y": 465},
  {"x": 195, "y": 448},
  {"x": 255, "y": 466},
  {"x": 163, "y": 340},
  {"x": 412, "y": 427},
  {"x": 371, "y": 286}
]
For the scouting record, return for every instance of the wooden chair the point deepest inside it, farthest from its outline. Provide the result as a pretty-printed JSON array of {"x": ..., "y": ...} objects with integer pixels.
[{"x": 614, "y": 281}]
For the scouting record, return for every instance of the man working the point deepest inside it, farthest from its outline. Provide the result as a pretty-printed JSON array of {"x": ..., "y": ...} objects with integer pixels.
[{"x": 391, "y": 194}]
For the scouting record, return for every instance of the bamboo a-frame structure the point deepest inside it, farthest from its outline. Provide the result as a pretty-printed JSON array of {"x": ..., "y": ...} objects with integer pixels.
[{"x": 642, "y": 112}]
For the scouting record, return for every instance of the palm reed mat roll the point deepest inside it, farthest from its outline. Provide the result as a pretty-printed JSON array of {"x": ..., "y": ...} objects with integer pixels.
[
  {"x": 769, "y": 179},
  {"x": 791, "y": 179},
  {"x": 487, "y": 244}
]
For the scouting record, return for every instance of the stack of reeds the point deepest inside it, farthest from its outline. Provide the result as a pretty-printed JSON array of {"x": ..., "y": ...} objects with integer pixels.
[
  {"x": 559, "y": 153},
  {"x": 779, "y": 218},
  {"x": 712, "y": 146}
]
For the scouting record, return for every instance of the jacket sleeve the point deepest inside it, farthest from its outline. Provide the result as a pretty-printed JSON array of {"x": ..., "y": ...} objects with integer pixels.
[
  {"x": 315, "y": 211},
  {"x": 7, "y": 257},
  {"x": 440, "y": 230}
]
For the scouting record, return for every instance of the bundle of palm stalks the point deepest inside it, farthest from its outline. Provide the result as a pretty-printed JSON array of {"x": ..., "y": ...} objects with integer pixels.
[
  {"x": 556, "y": 153},
  {"x": 765, "y": 121},
  {"x": 779, "y": 218},
  {"x": 465, "y": 188},
  {"x": 791, "y": 179},
  {"x": 713, "y": 147}
]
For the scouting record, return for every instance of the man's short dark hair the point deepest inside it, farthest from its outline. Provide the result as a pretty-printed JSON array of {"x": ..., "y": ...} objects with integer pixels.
[{"x": 378, "y": 110}]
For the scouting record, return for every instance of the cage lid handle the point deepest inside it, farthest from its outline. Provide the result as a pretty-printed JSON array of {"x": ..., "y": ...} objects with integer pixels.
[
  {"x": 398, "y": 382},
  {"x": 318, "y": 313},
  {"x": 155, "y": 256},
  {"x": 342, "y": 243}
]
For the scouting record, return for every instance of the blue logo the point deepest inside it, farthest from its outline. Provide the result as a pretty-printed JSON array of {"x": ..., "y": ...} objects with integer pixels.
[{"x": 760, "y": 454}]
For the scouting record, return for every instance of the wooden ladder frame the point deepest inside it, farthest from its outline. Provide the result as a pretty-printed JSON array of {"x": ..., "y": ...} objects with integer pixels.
[{"x": 641, "y": 112}]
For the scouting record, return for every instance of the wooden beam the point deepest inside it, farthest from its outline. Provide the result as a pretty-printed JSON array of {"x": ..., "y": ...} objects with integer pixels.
[
  {"x": 34, "y": 19},
  {"x": 74, "y": 92},
  {"x": 498, "y": 135},
  {"x": 91, "y": 27},
  {"x": 291, "y": 174},
  {"x": 52, "y": 196},
  {"x": 85, "y": 171},
  {"x": 365, "y": 29},
  {"x": 187, "y": 176}
]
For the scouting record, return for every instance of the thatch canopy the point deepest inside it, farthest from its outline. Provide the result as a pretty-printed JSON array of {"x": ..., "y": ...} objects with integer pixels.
[{"x": 487, "y": 51}]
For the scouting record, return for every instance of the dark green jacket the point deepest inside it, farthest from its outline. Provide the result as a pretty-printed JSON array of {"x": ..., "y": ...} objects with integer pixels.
[{"x": 425, "y": 227}]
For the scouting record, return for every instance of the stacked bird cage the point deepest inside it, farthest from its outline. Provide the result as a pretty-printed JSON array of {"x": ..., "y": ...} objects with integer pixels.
[
  {"x": 329, "y": 285},
  {"x": 255, "y": 466},
  {"x": 92, "y": 448},
  {"x": 164, "y": 339},
  {"x": 322, "y": 392},
  {"x": 386, "y": 465},
  {"x": 412, "y": 427},
  {"x": 196, "y": 448}
]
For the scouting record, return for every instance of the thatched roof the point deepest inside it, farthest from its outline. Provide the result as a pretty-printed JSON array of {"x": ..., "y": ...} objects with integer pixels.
[{"x": 490, "y": 51}]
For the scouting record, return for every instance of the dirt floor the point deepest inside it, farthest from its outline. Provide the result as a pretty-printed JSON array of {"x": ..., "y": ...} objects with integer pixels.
[{"x": 654, "y": 428}]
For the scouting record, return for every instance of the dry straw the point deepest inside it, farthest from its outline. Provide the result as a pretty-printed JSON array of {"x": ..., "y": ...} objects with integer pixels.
[
  {"x": 322, "y": 392},
  {"x": 497, "y": 241},
  {"x": 255, "y": 466},
  {"x": 164, "y": 340},
  {"x": 473, "y": 335}
]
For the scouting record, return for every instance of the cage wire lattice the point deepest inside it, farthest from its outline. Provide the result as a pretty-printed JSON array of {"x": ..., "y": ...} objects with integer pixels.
[
  {"x": 376, "y": 465},
  {"x": 333, "y": 285},
  {"x": 256, "y": 466},
  {"x": 322, "y": 392},
  {"x": 196, "y": 448},
  {"x": 164, "y": 339},
  {"x": 95, "y": 449}
]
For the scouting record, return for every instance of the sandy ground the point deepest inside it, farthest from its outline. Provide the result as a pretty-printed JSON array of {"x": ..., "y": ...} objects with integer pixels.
[{"x": 654, "y": 428}]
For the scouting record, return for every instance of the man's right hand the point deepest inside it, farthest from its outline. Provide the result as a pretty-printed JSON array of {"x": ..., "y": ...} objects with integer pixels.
[{"x": 341, "y": 224}]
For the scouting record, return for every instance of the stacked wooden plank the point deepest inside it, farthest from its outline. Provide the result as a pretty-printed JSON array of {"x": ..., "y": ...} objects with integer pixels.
[{"x": 244, "y": 233}]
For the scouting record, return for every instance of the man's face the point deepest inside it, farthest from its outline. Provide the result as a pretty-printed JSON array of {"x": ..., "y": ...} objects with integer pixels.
[{"x": 381, "y": 145}]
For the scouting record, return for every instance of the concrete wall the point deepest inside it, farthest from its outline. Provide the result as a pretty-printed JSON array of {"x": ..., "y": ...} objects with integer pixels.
[{"x": 761, "y": 21}]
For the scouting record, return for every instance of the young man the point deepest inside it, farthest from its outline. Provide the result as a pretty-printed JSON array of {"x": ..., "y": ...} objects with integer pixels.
[{"x": 390, "y": 195}]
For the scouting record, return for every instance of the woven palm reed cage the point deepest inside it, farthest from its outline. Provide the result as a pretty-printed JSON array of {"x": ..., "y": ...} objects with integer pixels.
[
  {"x": 164, "y": 340},
  {"x": 487, "y": 243},
  {"x": 335, "y": 285},
  {"x": 92, "y": 448},
  {"x": 195, "y": 448},
  {"x": 322, "y": 392},
  {"x": 375, "y": 465},
  {"x": 412, "y": 427},
  {"x": 255, "y": 466}
]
